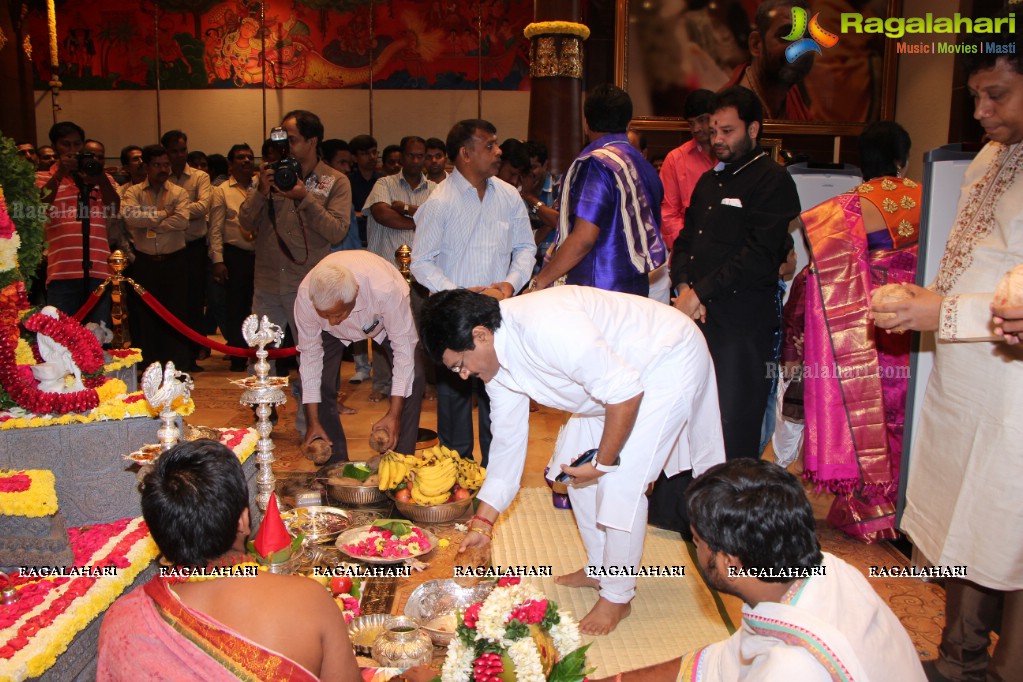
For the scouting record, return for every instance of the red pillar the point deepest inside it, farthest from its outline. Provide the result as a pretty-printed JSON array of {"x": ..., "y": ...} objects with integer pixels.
[{"x": 555, "y": 98}]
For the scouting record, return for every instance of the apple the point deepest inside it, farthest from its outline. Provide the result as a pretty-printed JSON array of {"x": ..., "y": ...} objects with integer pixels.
[
  {"x": 460, "y": 494},
  {"x": 340, "y": 585},
  {"x": 403, "y": 495}
]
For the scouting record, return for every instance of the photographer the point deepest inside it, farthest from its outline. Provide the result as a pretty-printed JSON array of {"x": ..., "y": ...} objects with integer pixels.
[
  {"x": 82, "y": 198},
  {"x": 300, "y": 208}
]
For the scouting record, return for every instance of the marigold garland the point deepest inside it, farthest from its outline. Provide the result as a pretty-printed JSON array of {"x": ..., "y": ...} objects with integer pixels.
[
  {"x": 543, "y": 28},
  {"x": 53, "y": 610},
  {"x": 38, "y": 498},
  {"x": 124, "y": 407}
]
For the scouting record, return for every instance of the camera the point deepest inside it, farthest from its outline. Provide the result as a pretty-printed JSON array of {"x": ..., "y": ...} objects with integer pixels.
[
  {"x": 288, "y": 170},
  {"x": 89, "y": 164}
]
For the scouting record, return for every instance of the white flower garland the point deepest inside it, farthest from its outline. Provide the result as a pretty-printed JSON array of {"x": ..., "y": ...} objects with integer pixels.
[{"x": 491, "y": 624}]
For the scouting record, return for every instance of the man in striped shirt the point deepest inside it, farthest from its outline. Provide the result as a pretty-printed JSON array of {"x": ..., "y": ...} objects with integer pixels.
[
  {"x": 76, "y": 200},
  {"x": 473, "y": 232},
  {"x": 392, "y": 205}
]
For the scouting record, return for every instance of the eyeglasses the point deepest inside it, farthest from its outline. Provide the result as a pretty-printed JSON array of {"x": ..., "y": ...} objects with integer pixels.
[{"x": 457, "y": 369}]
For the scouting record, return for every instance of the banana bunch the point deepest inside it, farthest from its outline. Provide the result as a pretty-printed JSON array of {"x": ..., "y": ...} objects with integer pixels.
[
  {"x": 470, "y": 474},
  {"x": 436, "y": 478},
  {"x": 394, "y": 468}
]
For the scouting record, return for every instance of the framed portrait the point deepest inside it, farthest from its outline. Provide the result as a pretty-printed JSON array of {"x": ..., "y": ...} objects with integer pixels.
[{"x": 665, "y": 49}]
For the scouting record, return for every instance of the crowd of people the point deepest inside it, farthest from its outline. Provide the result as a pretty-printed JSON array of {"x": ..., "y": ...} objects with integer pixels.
[{"x": 659, "y": 346}]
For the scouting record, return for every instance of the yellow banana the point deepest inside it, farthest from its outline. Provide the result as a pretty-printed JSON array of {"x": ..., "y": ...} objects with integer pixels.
[{"x": 384, "y": 473}]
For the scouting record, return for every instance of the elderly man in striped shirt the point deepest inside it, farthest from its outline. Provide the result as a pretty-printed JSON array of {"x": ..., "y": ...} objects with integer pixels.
[{"x": 473, "y": 232}]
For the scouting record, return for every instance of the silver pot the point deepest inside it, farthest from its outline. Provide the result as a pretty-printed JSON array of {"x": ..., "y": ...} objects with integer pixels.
[
  {"x": 349, "y": 494},
  {"x": 403, "y": 645}
]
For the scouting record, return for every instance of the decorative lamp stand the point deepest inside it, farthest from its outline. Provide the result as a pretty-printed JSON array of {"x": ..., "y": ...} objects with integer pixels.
[
  {"x": 163, "y": 387},
  {"x": 263, "y": 392}
]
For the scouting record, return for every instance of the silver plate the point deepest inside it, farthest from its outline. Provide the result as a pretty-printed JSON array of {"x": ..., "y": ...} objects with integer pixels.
[
  {"x": 440, "y": 598},
  {"x": 318, "y": 524},
  {"x": 352, "y": 535}
]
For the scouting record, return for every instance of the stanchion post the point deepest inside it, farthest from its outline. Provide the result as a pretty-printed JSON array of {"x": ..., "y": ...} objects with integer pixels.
[
  {"x": 403, "y": 257},
  {"x": 119, "y": 300}
]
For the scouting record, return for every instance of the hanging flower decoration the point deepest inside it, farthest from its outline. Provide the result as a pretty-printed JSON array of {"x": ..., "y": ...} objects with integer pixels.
[{"x": 515, "y": 633}]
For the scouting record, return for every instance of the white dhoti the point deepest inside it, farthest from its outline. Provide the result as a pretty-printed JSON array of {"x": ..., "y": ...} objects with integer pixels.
[{"x": 678, "y": 428}]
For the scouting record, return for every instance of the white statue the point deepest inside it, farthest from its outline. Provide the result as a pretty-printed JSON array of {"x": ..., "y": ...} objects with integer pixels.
[{"x": 57, "y": 364}]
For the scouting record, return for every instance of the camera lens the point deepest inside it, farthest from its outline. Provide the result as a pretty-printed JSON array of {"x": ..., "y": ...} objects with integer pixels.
[{"x": 286, "y": 172}]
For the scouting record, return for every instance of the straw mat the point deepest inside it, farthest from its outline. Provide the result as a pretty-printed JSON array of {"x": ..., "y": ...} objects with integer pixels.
[{"x": 670, "y": 615}]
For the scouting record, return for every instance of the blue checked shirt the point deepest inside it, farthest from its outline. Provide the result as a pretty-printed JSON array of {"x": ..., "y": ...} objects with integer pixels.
[{"x": 464, "y": 242}]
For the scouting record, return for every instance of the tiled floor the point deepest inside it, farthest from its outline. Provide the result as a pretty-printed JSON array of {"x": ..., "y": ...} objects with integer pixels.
[{"x": 919, "y": 605}]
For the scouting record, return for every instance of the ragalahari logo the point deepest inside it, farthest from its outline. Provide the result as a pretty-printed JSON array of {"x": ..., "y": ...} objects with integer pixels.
[{"x": 819, "y": 37}]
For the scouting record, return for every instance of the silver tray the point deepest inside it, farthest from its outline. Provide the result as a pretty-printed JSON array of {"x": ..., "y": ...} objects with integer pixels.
[
  {"x": 443, "y": 598},
  {"x": 351, "y": 536},
  {"x": 317, "y": 523}
]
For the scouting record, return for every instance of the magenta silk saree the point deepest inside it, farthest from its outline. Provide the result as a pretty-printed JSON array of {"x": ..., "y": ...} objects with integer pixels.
[{"x": 855, "y": 376}]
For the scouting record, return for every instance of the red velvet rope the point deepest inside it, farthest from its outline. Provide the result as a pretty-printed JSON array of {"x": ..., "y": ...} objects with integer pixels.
[
  {"x": 90, "y": 303},
  {"x": 184, "y": 329}
]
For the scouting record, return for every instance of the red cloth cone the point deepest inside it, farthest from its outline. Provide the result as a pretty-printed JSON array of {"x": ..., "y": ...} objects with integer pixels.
[{"x": 272, "y": 535}]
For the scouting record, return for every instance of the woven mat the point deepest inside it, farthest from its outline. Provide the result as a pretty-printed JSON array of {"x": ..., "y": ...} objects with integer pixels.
[{"x": 670, "y": 616}]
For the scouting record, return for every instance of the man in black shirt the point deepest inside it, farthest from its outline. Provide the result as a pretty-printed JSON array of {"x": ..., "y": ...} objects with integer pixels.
[
  {"x": 725, "y": 263},
  {"x": 363, "y": 176}
]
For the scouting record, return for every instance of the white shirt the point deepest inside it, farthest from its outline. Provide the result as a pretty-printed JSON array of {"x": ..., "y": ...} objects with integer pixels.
[
  {"x": 225, "y": 227},
  {"x": 575, "y": 349},
  {"x": 383, "y": 298},
  {"x": 462, "y": 241},
  {"x": 197, "y": 184}
]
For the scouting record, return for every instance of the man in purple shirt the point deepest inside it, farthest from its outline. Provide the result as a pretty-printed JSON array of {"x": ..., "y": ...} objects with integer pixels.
[{"x": 609, "y": 229}]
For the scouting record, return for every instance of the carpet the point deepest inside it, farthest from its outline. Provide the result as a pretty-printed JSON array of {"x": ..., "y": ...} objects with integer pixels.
[{"x": 670, "y": 615}]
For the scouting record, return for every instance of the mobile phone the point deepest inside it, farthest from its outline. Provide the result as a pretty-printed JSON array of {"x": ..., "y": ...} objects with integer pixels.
[
  {"x": 579, "y": 461},
  {"x": 370, "y": 326}
]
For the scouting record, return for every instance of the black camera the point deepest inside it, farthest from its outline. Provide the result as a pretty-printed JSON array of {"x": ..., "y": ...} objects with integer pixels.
[
  {"x": 89, "y": 164},
  {"x": 288, "y": 170}
]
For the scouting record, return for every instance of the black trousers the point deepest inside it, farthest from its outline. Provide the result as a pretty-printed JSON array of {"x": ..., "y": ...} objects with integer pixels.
[
  {"x": 162, "y": 276},
  {"x": 241, "y": 269},
  {"x": 454, "y": 414},
  {"x": 740, "y": 336},
  {"x": 196, "y": 262},
  {"x": 330, "y": 384}
]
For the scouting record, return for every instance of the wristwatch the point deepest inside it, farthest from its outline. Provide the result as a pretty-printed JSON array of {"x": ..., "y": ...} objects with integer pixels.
[
  {"x": 536, "y": 207},
  {"x": 607, "y": 468},
  {"x": 406, "y": 211}
]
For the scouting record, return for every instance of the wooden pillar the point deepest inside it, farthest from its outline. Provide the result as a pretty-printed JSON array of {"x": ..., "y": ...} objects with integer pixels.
[
  {"x": 555, "y": 98},
  {"x": 17, "y": 115}
]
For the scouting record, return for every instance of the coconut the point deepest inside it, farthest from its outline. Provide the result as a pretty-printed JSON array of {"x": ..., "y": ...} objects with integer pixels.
[
  {"x": 889, "y": 293},
  {"x": 1009, "y": 291},
  {"x": 318, "y": 451}
]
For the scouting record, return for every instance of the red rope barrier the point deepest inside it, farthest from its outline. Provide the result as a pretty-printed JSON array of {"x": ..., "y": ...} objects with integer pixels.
[
  {"x": 90, "y": 303},
  {"x": 187, "y": 331}
]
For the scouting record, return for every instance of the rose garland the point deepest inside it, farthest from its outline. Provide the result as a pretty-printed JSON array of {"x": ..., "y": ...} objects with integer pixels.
[
  {"x": 29, "y": 493},
  {"x": 85, "y": 349},
  {"x": 570, "y": 28},
  {"x": 511, "y": 624},
  {"x": 120, "y": 407}
]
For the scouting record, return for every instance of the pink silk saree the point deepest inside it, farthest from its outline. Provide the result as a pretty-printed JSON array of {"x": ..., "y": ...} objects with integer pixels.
[{"x": 855, "y": 376}]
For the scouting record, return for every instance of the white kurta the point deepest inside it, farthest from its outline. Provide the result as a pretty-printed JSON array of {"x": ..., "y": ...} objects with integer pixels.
[
  {"x": 963, "y": 501},
  {"x": 579, "y": 349},
  {"x": 835, "y": 627}
]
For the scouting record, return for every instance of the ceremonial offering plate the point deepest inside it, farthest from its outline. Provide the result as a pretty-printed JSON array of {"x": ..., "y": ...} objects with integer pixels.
[
  {"x": 146, "y": 454},
  {"x": 350, "y": 491},
  {"x": 372, "y": 545},
  {"x": 252, "y": 381},
  {"x": 435, "y": 605},
  {"x": 318, "y": 524},
  {"x": 365, "y": 629}
]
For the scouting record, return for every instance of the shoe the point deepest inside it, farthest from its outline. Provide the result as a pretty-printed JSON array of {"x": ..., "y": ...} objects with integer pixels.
[
  {"x": 195, "y": 368},
  {"x": 932, "y": 674},
  {"x": 239, "y": 365},
  {"x": 359, "y": 377}
]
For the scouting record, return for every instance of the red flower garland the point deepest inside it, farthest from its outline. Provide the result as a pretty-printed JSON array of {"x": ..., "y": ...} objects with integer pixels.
[
  {"x": 18, "y": 380},
  {"x": 18, "y": 483}
]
